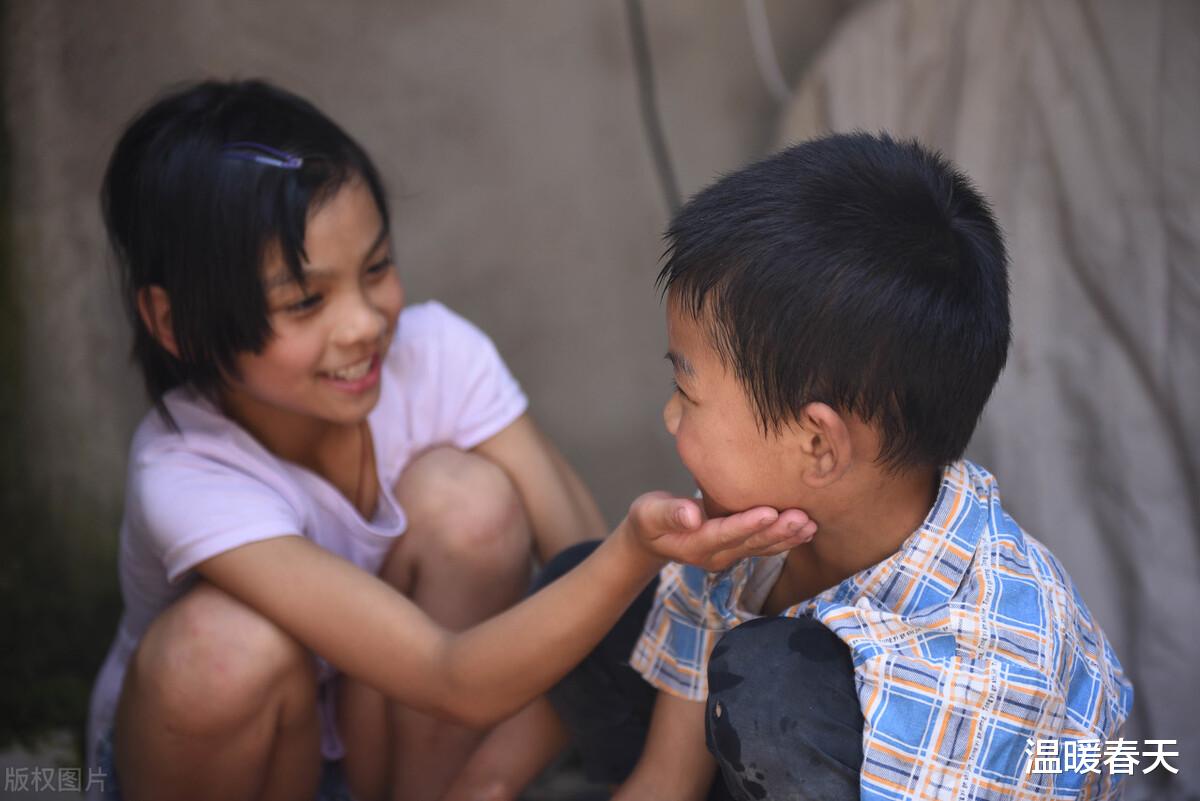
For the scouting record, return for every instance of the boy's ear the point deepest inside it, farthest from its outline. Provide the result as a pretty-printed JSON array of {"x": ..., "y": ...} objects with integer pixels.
[
  {"x": 154, "y": 307},
  {"x": 825, "y": 441}
]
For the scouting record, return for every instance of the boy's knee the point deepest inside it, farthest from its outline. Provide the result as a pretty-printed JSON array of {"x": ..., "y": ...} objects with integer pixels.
[
  {"x": 763, "y": 643},
  {"x": 468, "y": 502},
  {"x": 209, "y": 662},
  {"x": 785, "y": 680},
  {"x": 791, "y": 668}
]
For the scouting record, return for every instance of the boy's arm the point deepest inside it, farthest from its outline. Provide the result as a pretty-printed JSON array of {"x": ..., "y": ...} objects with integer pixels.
[
  {"x": 370, "y": 631},
  {"x": 675, "y": 765},
  {"x": 560, "y": 508}
]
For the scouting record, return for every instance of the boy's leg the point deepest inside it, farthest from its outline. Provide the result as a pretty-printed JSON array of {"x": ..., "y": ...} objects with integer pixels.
[
  {"x": 783, "y": 717},
  {"x": 464, "y": 558},
  {"x": 604, "y": 703},
  {"x": 512, "y": 755},
  {"x": 603, "y": 706},
  {"x": 218, "y": 702}
]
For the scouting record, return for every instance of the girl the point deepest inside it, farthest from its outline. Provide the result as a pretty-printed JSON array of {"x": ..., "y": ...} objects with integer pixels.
[{"x": 303, "y": 423}]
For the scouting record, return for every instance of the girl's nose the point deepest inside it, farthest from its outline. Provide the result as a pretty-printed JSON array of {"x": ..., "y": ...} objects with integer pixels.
[
  {"x": 361, "y": 322},
  {"x": 671, "y": 413}
]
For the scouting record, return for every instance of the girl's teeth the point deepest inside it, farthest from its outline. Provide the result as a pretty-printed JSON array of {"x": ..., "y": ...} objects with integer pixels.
[{"x": 353, "y": 373}]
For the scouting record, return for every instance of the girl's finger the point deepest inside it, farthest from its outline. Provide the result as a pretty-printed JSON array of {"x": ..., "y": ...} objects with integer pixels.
[
  {"x": 686, "y": 516},
  {"x": 733, "y": 530},
  {"x": 790, "y": 529}
]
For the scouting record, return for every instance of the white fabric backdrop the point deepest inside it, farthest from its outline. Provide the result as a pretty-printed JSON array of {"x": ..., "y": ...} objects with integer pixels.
[{"x": 1081, "y": 121}]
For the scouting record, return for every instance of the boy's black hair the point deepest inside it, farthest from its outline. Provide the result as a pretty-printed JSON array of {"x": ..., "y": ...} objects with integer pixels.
[
  {"x": 856, "y": 270},
  {"x": 184, "y": 215}
]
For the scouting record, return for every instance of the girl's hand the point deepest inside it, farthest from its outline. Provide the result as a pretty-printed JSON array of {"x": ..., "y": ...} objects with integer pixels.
[{"x": 675, "y": 529}]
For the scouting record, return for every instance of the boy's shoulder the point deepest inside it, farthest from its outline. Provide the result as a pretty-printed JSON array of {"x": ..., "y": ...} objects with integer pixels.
[
  {"x": 1018, "y": 610},
  {"x": 1016, "y": 585},
  {"x": 1016, "y": 580}
]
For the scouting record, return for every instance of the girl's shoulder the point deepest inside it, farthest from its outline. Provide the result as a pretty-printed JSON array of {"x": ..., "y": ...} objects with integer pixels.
[
  {"x": 432, "y": 325},
  {"x": 433, "y": 341},
  {"x": 444, "y": 382},
  {"x": 201, "y": 440},
  {"x": 202, "y": 487}
]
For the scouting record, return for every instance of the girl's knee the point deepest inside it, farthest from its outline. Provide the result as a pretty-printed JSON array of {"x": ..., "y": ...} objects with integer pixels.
[
  {"x": 467, "y": 506},
  {"x": 209, "y": 662}
]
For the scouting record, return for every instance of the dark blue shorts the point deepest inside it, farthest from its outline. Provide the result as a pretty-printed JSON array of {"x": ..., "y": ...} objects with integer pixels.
[{"x": 783, "y": 718}]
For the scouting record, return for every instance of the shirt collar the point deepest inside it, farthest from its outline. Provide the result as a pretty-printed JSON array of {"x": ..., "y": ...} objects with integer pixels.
[{"x": 931, "y": 564}]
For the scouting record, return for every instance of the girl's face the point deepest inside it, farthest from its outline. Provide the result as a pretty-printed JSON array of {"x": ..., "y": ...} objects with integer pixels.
[{"x": 322, "y": 363}]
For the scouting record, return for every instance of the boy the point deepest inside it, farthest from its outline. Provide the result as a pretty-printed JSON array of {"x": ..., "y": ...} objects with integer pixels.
[{"x": 837, "y": 317}]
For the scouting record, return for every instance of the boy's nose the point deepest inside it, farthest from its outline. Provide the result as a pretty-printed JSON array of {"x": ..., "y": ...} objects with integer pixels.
[{"x": 671, "y": 413}]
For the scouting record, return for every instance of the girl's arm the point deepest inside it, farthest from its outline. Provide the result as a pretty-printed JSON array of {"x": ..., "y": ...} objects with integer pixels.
[
  {"x": 560, "y": 508},
  {"x": 479, "y": 676}
]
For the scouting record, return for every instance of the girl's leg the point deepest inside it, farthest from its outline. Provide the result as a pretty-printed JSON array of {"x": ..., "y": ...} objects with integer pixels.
[
  {"x": 218, "y": 702},
  {"x": 464, "y": 558},
  {"x": 783, "y": 718}
]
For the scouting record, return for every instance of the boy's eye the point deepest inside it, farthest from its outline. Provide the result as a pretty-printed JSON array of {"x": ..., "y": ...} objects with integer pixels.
[{"x": 675, "y": 389}]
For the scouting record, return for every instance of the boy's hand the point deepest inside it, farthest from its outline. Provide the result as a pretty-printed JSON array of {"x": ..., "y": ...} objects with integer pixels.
[{"x": 675, "y": 529}]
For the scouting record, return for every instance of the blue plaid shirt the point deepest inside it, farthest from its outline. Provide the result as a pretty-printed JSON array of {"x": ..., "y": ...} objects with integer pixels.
[{"x": 967, "y": 643}]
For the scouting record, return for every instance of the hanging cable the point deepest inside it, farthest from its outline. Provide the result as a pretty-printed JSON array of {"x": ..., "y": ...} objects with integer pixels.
[
  {"x": 649, "y": 105},
  {"x": 764, "y": 51}
]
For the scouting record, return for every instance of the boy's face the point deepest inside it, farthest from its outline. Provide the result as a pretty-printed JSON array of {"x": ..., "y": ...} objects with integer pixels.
[{"x": 735, "y": 465}]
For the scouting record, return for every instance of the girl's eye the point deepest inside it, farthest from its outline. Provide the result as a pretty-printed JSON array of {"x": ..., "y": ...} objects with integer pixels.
[{"x": 306, "y": 304}]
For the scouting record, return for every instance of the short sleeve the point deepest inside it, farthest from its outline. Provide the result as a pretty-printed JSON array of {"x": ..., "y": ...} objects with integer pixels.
[
  {"x": 189, "y": 508},
  {"x": 478, "y": 393},
  {"x": 672, "y": 653},
  {"x": 967, "y": 722}
]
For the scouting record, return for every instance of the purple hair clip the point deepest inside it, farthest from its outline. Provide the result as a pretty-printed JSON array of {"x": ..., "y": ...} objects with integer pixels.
[{"x": 261, "y": 154}]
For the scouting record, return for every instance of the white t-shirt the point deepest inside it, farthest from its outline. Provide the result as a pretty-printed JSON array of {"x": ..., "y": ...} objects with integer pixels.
[{"x": 209, "y": 487}]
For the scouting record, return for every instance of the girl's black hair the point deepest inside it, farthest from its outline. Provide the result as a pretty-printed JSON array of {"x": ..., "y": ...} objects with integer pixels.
[
  {"x": 185, "y": 213},
  {"x": 859, "y": 271}
]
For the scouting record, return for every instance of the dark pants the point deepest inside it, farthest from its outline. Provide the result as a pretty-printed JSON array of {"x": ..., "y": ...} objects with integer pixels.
[{"x": 783, "y": 719}]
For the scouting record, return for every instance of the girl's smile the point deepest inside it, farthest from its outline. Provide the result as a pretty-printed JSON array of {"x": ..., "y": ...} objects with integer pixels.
[{"x": 356, "y": 378}]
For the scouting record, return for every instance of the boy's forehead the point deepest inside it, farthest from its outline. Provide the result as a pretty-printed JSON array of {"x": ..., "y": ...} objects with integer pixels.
[{"x": 687, "y": 340}]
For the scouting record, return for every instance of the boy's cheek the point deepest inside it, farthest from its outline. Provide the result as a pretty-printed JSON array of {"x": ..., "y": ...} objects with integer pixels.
[
  {"x": 689, "y": 456},
  {"x": 711, "y": 507}
]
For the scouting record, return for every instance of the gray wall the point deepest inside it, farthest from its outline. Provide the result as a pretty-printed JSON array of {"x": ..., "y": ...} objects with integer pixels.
[{"x": 509, "y": 135}]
